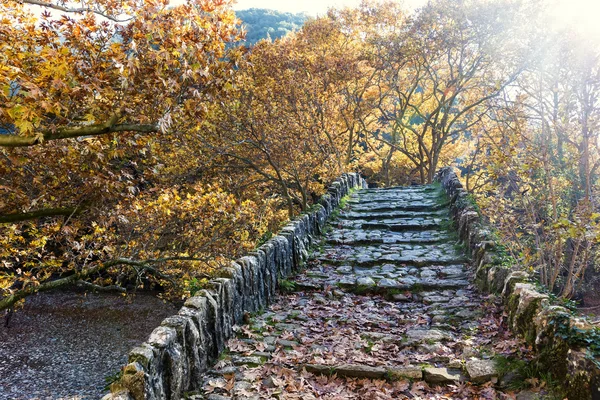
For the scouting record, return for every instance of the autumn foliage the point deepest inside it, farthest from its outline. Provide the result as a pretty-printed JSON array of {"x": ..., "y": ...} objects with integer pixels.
[
  {"x": 141, "y": 146},
  {"x": 91, "y": 102}
]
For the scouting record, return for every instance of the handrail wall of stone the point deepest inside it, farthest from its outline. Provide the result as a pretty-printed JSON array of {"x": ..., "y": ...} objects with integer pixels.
[
  {"x": 177, "y": 353},
  {"x": 531, "y": 314}
]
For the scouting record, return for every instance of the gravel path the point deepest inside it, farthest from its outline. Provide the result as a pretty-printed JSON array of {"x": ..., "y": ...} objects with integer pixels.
[{"x": 63, "y": 345}]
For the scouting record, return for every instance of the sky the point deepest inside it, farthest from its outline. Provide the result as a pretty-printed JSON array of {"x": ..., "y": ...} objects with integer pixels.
[
  {"x": 311, "y": 7},
  {"x": 583, "y": 15}
]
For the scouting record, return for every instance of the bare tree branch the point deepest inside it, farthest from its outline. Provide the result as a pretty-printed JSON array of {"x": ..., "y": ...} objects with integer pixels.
[
  {"x": 48, "y": 212},
  {"x": 74, "y": 132},
  {"x": 75, "y": 10},
  {"x": 144, "y": 265},
  {"x": 98, "y": 288}
]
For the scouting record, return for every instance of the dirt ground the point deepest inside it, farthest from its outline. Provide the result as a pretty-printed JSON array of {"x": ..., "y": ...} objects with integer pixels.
[{"x": 65, "y": 345}]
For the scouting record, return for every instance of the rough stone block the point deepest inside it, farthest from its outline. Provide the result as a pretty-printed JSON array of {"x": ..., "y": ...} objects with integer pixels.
[
  {"x": 348, "y": 370},
  {"x": 260, "y": 279},
  {"x": 284, "y": 256},
  {"x": 410, "y": 372},
  {"x": 197, "y": 337},
  {"x": 426, "y": 335},
  {"x": 321, "y": 218},
  {"x": 212, "y": 326},
  {"x": 132, "y": 384},
  {"x": 226, "y": 295},
  {"x": 513, "y": 279},
  {"x": 249, "y": 266},
  {"x": 121, "y": 395},
  {"x": 145, "y": 358},
  {"x": 524, "y": 304},
  {"x": 234, "y": 273},
  {"x": 197, "y": 302},
  {"x": 144, "y": 355},
  {"x": 583, "y": 375},
  {"x": 326, "y": 203},
  {"x": 202, "y": 318},
  {"x": 481, "y": 371},
  {"x": 162, "y": 337},
  {"x": 270, "y": 271},
  {"x": 496, "y": 277},
  {"x": 293, "y": 252},
  {"x": 360, "y": 371},
  {"x": 441, "y": 375}
]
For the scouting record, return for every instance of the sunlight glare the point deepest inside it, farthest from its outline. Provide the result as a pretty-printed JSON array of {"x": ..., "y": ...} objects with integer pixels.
[{"x": 580, "y": 15}]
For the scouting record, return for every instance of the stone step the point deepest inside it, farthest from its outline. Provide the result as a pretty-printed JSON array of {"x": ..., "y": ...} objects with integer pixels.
[
  {"x": 396, "y": 203},
  {"x": 386, "y": 206},
  {"x": 364, "y": 241},
  {"x": 387, "y": 285},
  {"x": 474, "y": 371},
  {"x": 386, "y": 276},
  {"x": 404, "y": 255},
  {"x": 395, "y": 248},
  {"x": 393, "y": 225},
  {"x": 357, "y": 237},
  {"x": 361, "y": 371},
  {"x": 401, "y": 192},
  {"x": 398, "y": 260},
  {"x": 397, "y": 197},
  {"x": 386, "y": 296},
  {"x": 404, "y": 189},
  {"x": 390, "y": 215},
  {"x": 231, "y": 382},
  {"x": 381, "y": 285}
]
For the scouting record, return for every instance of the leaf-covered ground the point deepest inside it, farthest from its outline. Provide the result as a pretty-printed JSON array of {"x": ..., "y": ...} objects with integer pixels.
[{"x": 384, "y": 310}]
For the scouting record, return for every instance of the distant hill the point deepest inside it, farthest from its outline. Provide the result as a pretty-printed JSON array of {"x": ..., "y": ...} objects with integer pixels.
[{"x": 261, "y": 23}]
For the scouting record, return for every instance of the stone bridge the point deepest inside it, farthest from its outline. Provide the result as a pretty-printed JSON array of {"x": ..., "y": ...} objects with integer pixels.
[{"x": 385, "y": 306}]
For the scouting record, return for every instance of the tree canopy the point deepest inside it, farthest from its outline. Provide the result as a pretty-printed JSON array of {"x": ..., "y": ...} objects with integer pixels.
[
  {"x": 261, "y": 23},
  {"x": 142, "y": 145}
]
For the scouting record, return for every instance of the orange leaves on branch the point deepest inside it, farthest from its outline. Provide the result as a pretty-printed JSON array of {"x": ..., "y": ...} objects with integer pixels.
[
  {"x": 83, "y": 66},
  {"x": 133, "y": 72},
  {"x": 284, "y": 124}
]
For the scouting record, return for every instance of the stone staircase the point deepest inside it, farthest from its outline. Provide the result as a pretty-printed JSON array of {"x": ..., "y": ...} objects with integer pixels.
[{"x": 383, "y": 310}]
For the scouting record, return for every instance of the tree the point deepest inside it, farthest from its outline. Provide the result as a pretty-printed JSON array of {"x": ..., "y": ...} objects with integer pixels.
[
  {"x": 425, "y": 81},
  {"x": 84, "y": 74},
  {"x": 281, "y": 125},
  {"x": 453, "y": 68},
  {"x": 90, "y": 100},
  {"x": 541, "y": 164},
  {"x": 262, "y": 24},
  {"x": 370, "y": 28}
]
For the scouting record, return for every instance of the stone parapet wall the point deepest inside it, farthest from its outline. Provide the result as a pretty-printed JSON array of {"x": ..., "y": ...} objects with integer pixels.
[
  {"x": 171, "y": 362},
  {"x": 557, "y": 336}
]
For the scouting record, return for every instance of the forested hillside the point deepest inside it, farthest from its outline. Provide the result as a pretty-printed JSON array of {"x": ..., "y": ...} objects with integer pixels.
[
  {"x": 261, "y": 24},
  {"x": 143, "y": 149}
]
